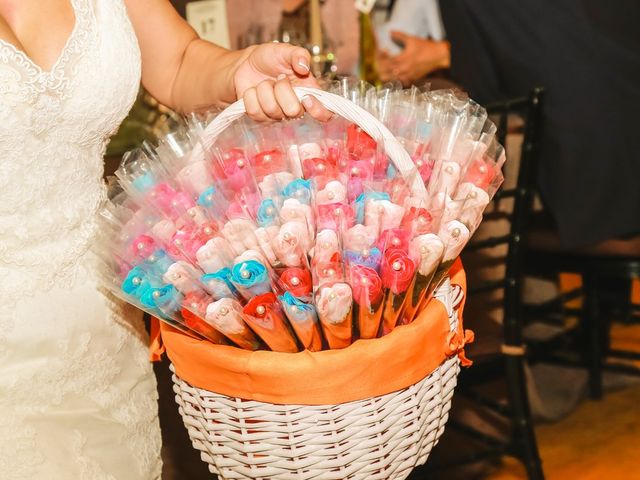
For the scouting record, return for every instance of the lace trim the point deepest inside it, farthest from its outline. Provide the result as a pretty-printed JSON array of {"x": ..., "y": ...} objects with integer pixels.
[{"x": 56, "y": 79}]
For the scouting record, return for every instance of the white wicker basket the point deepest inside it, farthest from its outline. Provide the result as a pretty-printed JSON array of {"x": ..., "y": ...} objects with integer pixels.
[
  {"x": 380, "y": 438},
  {"x": 383, "y": 437}
]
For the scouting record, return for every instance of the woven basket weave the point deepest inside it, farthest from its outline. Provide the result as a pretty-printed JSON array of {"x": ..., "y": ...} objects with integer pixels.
[{"x": 380, "y": 438}]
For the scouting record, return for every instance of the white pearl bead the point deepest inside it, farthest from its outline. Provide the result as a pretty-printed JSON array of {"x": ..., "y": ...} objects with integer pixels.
[
  {"x": 140, "y": 246},
  {"x": 332, "y": 296},
  {"x": 295, "y": 281},
  {"x": 224, "y": 311},
  {"x": 240, "y": 163},
  {"x": 455, "y": 233},
  {"x": 261, "y": 310},
  {"x": 208, "y": 230},
  {"x": 396, "y": 266},
  {"x": 136, "y": 281},
  {"x": 245, "y": 274}
]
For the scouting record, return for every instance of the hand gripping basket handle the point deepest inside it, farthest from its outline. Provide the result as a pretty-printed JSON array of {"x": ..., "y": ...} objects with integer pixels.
[{"x": 348, "y": 110}]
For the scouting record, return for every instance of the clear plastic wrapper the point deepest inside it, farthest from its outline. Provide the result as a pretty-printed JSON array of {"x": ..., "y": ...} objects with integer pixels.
[
  {"x": 301, "y": 235},
  {"x": 397, "y": 272},
  {"x": 368, "y": 297},
  {"x": 226, "y": 316},
  {"x": 334, "y": 304},
  {"x": 454, "y": 236},
  {"x": 266, "y": 317},
  {"x": 303, "y": 318},
  {"x": 426, "y": 250}
]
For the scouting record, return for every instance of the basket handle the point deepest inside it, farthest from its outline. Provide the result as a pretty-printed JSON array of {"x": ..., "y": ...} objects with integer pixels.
[{"x": 348, "y": 110}]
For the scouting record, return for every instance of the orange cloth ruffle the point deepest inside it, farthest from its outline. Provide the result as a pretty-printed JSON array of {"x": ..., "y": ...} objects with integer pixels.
[{"x": 367, "y": 368}]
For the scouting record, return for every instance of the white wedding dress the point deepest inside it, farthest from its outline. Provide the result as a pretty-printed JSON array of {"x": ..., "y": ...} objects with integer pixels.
[{"x": 78, "y": 398}]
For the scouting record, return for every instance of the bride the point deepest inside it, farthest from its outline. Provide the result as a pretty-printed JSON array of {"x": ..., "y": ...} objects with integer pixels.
[{"x": 77, "y": 394}]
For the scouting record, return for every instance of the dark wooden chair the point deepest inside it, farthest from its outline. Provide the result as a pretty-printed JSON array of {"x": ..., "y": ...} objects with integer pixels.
[
  {"x": 607, "y": 270},
  {"x": 499, "y": 352}
]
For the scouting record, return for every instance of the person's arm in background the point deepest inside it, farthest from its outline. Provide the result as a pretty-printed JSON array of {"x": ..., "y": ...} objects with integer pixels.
[
  {"x": 187, "y": 73},
  {"x": 415, "y": 32}
]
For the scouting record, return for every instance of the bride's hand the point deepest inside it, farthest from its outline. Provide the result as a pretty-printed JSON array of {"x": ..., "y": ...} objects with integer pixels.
[{"x": 265, "y": 78}]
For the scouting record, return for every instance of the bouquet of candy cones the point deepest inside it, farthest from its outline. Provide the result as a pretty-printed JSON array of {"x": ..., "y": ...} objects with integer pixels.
[{"x": 301, "y": 235}]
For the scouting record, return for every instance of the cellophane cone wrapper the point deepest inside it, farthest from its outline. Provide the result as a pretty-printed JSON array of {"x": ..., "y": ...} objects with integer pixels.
[
  {"x": 335, "y": 305},
  {"x": 398, "y": 279},
  {"x": 225, "y": 236},
  {"x": 226, "y": 316},
  {"x": 304, "y": 321},
  {"x": 266, "y": 318},
  {"x": 427, "y": 251}
]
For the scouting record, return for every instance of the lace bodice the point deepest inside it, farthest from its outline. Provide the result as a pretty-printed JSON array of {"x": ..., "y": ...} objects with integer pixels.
[
  {"x": 54, "y": 130},
  {"x": 78, "y": 397}
]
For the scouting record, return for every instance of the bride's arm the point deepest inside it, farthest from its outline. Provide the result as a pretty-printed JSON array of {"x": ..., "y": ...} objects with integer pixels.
[{"x": 187, "y": 73}]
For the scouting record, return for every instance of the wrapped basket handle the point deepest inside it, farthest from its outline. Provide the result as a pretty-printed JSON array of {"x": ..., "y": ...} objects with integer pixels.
[{"x": 348, "y": 110}]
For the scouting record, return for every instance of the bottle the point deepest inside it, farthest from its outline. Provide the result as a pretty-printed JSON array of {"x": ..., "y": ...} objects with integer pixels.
[{"x": 367, "y": 67}]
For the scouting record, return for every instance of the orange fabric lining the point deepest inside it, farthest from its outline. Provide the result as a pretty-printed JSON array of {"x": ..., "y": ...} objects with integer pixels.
[{"x": 365, "y": 369}]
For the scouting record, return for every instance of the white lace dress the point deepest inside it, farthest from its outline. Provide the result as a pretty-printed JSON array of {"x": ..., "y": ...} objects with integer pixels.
[{"x": 77, "y": 394}]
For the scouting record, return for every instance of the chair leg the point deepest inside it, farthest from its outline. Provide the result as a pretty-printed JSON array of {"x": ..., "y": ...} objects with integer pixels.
[
  {"x": 524, "y": 436},
  {"x": 593, "y": 329}
]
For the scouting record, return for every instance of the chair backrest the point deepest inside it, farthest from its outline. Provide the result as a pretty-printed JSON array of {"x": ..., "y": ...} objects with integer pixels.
[{"x": 525, "y": 112}]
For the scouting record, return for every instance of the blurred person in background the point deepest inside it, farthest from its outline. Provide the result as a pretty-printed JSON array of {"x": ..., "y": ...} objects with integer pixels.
[
  {"x": 412, "y": 44},
  {"x": 586, "y": 55}
]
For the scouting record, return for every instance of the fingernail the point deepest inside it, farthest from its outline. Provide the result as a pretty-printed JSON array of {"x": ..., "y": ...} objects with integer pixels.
[
  {"x": 304, "y": 65},
  {"x": 307, "y": 102},
  {"x": 282, "y": 76}
]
